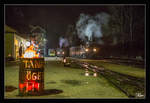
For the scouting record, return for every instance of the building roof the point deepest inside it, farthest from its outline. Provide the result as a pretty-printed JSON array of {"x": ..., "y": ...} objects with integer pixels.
[
  {"x": 37, "y": 29},
  {"x": 10, "y": 29}
]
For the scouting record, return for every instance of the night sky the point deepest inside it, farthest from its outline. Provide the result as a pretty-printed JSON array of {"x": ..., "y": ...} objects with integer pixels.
[{"x": 53, "y": 18}]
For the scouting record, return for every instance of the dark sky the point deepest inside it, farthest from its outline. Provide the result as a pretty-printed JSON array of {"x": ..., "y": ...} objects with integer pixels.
[{"x": 54, "y": 19}]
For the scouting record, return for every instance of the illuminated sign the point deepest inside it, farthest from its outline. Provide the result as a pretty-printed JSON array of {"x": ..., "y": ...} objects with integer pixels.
[
  {"x": 31, "y": 76},
  {"x": 33, "y": 63}
]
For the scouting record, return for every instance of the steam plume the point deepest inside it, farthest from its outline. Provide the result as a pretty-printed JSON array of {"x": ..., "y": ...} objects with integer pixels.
[
  {"x": 90, "y": 26},
  {"x": 63, "y": 42}
]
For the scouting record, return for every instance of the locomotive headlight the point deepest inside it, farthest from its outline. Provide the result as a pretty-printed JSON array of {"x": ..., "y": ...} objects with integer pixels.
[
  {"x": 86, "y": 49},
  {"x": 94, "y": 49}
]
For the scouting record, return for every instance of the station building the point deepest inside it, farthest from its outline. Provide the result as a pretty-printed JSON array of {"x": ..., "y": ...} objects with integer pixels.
[{"x": 12, "y": 43}]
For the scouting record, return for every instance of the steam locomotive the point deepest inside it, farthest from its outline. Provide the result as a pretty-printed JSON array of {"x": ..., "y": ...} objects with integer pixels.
[{"x": 90, "y": 52}]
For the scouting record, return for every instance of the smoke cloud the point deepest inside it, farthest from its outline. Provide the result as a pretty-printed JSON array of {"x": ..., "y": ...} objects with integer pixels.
[
  {"x": 89, "y": 27},
  {"x": 63, "y": 42}
]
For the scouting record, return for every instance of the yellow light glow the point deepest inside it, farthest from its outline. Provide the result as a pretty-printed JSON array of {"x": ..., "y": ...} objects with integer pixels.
[
  {"x": 94, "y": 49},
  {"x": 86, "y": 74},
  {"x": 30, "y": 53},
  {"x": 64, "y": 60},
  {"x": 86, "y": 49},
  {"x": 9, "y": 55},
  {"x": 95, "y": 74},
  {"x": 16, "y": 42}
]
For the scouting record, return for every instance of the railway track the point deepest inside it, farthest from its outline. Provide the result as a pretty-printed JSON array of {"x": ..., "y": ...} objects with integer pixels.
[
  {"x": 133, "y": 87},
  {"x": 132, "y": 62}
]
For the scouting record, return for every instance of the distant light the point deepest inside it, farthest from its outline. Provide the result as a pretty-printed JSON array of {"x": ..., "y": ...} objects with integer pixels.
[
  {"x": 86, "y": 65},
  {"x": 86, "y": 73},
  {"x": 86, "y": 49},
  {"x": 94, "y": 49},
  {"x": 36, "y": 46},
  {"x": 45, "y": 40},
  {"x": 27, "y": 43},
  {"x": 58, "y": 52},
  {"x": 64, "y": 60},
  {"x": 9, "y": 55},
  {"x": 95, "y": 74},
  {"x": 63, "y": 52}
]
